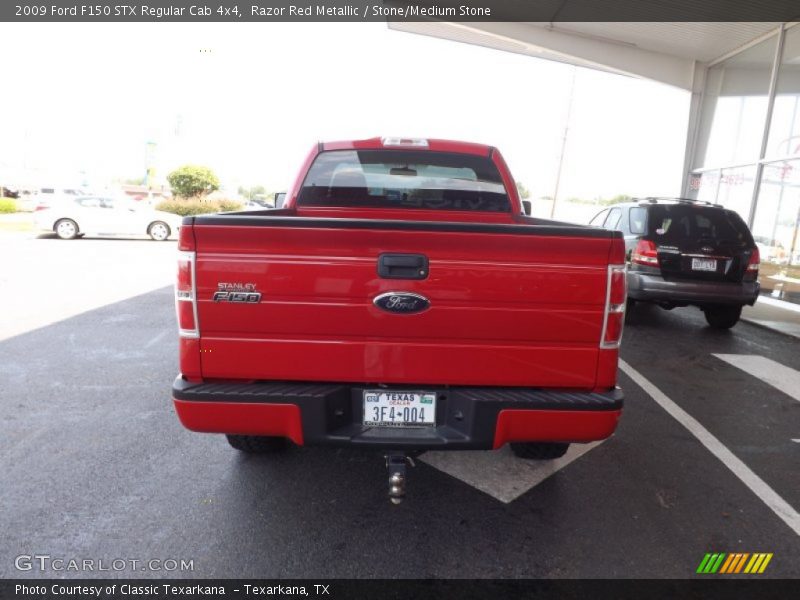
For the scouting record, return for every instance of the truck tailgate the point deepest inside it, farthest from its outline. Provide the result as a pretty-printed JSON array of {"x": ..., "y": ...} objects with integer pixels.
[{"x": 509, "y": 304}]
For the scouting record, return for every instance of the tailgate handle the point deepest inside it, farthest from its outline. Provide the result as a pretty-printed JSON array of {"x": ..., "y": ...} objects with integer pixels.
[{"x": 403, "y": 266}]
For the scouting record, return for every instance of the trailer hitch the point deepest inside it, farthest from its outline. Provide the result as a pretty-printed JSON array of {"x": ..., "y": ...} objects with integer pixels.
[{"x": 396, "y": 463}]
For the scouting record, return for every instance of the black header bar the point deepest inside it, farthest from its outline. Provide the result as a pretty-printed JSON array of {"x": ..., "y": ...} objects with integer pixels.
[{"x": 237, "y": 11}]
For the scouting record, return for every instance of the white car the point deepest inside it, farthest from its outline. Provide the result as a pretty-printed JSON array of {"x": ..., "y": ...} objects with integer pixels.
[{"x": 72, "y": 217}]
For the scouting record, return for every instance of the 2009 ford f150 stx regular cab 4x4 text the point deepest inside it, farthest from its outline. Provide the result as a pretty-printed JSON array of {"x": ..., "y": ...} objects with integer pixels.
[{"x": 401, "y": 301}]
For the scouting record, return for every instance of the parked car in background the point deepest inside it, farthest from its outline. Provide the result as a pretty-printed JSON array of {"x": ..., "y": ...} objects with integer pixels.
[
  {"x": 684, "y": 252},
  {"x": 255, "y": 205},
  {"x": 28, "y": 200},
  {"x": 83, "y": 215}
]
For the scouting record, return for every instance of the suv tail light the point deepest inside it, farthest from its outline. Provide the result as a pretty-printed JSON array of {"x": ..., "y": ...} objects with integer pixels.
[
  {"x": 754, "y": 262},
  {"x": 614, "y": 317},
  {"x": 645, "y": 253},
  {"x": 185, "y": 295}
]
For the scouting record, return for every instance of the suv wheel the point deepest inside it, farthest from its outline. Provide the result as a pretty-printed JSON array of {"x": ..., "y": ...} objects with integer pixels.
[
  {"x": 258, "y": 444},
  {"x": 539, "y": 450},
  {"x": 722, "y": 317}
]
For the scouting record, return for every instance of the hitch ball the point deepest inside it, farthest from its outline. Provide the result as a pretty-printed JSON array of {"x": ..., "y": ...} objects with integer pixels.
[{"x": 397, "y": 478}]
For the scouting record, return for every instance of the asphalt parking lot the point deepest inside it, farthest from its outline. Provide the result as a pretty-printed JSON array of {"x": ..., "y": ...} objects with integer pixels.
[{"x": 94, "y": 464}]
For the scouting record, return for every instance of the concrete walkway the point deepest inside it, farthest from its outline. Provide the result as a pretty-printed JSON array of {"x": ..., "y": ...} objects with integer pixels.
[{"x": 777, "y": 315}]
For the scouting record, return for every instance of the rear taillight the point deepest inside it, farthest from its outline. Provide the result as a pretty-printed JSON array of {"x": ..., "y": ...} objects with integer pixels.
[
  {"x": 40, "y": 207},
  {"x": 754, "y": 262},
  {"x": 185, "y": 296},
  {"x": 645, "y": 253},
  {"x": 614, "y": 315},
  {"x": 186, "y": 236}
]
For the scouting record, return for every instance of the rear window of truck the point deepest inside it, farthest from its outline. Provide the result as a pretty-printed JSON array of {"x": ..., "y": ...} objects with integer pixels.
[
  {"x": 674, "y": 223},
  {"x": 404, "y": 179}
]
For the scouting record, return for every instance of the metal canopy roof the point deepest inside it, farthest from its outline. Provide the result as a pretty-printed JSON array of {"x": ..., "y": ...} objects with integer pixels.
[{"x": 665, "y": 52}]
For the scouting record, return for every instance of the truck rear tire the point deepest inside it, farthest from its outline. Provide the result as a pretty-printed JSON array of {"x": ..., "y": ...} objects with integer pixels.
[
  {"x": 539, "y": 450},
  {"x": 257, "y": 444},
  {"x": 722, "y": 317}
]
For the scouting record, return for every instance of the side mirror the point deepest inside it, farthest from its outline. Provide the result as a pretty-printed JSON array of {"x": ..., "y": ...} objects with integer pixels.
[
  {"x": 280, "y": 198},
  {"x": 527, "y": 207}
]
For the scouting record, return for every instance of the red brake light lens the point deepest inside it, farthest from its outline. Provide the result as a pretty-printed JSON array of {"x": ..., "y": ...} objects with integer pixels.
[
  {"x": 618, "y": 287},
  {"x": 613, "y": 330},
  {"x": 645, "y": 253},
  {"x": 185, "y": 300},
  {"x": 186, "y": 317},
  {"x": 183, "y": 286},
  {"x": 186, "y": 237},
  {"x": 614, "y": 314},
  {"x": 754, "y": 262}
]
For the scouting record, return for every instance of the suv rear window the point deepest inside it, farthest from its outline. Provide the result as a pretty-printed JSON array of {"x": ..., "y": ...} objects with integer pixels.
[
  {"x": 404, "y": 179},
  {"x": 673, "y": 223}
]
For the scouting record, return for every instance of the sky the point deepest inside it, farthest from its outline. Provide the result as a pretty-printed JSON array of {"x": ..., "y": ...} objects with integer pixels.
[{"x": 249, "y": 100}]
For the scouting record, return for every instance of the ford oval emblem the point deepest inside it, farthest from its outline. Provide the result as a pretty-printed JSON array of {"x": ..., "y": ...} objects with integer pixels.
[{"x": 401, "y": 302}]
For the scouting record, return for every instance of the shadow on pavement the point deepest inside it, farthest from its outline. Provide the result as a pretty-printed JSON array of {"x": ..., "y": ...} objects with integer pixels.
[{"x": 94, "y": 464}]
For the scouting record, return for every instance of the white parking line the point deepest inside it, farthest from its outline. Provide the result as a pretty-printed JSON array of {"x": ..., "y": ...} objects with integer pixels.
[
  {"x": 499, "y": 473},
  {"x": 757, "y": 485},
  {"x": 774, "y": 373}
]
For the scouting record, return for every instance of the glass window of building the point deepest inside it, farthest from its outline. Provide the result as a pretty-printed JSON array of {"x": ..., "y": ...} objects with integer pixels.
[
  {"x": 736, "y": 189},
  {"x": 703, "y": 186},
  {"x": 784, "y": 131},
  {"x": 735, "y": 107},
  {"x": 775, "y": 229}
]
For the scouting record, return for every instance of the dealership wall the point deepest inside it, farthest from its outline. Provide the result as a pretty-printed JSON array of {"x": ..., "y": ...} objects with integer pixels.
[{"x": 745, "y": 150}]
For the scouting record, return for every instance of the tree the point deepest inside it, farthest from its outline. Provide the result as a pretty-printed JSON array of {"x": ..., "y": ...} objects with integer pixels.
[
  {"x": 190, "y": 181},
  {"x": 524, "y": 194}
]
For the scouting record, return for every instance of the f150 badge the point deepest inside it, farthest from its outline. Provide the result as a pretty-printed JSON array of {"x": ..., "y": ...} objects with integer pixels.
[
  {"x": 401, "y": 302},
  {"x": 237, "y": 292}
]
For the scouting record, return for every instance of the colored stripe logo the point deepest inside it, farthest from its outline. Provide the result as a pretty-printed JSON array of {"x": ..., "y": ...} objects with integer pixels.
[{"x": 735, "y": 562}]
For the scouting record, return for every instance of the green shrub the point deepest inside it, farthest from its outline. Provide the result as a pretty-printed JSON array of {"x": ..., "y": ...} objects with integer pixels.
[
  {"x": 195, "y": 206},
  {"x": 228, "y": 205},
  {"x": 189, "y": 181},
  {"x": 8, "y": 205}
]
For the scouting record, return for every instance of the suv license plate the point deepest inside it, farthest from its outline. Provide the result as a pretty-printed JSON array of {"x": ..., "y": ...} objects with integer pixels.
[
  {"x": 704, "y": 264},
  {"x": 395, "y": 408}
]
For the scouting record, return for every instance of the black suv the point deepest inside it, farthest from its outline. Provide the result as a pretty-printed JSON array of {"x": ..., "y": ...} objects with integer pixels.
[{"x": 684, "y": 252}]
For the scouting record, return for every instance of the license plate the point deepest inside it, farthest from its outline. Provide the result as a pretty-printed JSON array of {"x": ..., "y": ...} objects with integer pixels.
[
  {"x": 396, "y": 408},
  {"x": 704, "y": 264}
]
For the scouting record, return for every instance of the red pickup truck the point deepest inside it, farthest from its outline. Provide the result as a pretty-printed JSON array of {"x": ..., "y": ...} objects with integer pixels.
[{"x": 403, "y": 301}]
